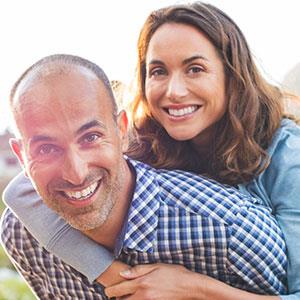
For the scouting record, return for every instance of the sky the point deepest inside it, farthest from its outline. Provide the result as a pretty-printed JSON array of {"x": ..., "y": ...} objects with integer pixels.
[{"x": 106, "y": 32}]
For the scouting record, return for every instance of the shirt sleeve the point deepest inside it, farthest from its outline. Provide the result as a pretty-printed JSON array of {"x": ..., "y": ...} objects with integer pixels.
[
  {"x": 53, "y": 233},
  {"x": 282, "y": 184}
]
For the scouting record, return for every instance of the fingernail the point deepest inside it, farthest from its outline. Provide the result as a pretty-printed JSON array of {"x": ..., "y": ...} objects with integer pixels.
[{"x": 125, "y": 272}]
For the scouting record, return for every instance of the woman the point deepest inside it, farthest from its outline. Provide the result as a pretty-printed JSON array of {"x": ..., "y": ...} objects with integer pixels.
[{"x": 202, "y": 106}]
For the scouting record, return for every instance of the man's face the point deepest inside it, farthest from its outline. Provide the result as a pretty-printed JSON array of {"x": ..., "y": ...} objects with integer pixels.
[{"x": 72, "y": 146}]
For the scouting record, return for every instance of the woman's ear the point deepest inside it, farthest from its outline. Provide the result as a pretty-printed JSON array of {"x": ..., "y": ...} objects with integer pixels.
[{"x": 122, "y": 122}]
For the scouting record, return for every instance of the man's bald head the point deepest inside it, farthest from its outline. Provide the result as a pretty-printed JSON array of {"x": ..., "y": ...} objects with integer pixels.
[{"x": 53, "y": 65}]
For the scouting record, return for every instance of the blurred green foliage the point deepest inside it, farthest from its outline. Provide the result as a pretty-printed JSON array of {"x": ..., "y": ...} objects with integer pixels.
[
  {"x": 13, "y": 287},
  {"x": 4, "y": 261}
]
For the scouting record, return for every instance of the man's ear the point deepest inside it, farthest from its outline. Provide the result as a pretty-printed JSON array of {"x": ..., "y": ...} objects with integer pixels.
[
  {"x": 16, "y": 147},
  {"x": 122, "y": 122}
]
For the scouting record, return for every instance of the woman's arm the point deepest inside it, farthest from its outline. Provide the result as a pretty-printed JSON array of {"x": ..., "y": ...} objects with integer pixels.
[
  {"x": 58, "y": 237},
  {"x": 281, "y": 182},
  {"x": 279, "y": 188}
]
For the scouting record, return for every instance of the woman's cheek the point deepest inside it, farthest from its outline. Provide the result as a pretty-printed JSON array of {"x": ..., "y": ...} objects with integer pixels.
[{"x": 154, "y": 92}]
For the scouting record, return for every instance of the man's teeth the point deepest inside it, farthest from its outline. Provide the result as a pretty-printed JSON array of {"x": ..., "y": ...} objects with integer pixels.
[
  {"x": 182, "y": 111},
  {"x": 80, "y": 195}
]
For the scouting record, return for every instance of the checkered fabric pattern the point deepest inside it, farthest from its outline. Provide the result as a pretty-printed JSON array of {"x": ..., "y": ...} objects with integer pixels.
[
  {"x": 181, "y": 218},
  {"x": 47, "y": 275},
  {"x": 175, "y": 217}
]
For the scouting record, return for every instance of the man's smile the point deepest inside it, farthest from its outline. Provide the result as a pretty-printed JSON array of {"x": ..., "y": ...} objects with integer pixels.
[{"x": 84, "y": 193}]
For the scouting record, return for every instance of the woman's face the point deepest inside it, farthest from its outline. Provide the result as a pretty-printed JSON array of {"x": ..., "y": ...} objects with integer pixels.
[{"x": 185, "y": 82}]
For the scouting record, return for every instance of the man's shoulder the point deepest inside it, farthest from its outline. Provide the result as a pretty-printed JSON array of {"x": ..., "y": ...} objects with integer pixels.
[
  {"x": 181, "y": 179},
  {"x": 8, "y": 224},
  {"x": 45, "y": 273},
  {"x": 191, "y": 188},
  {"x": 188, "y": 191},
  {"x": 13, "y": 234},
  {"x": 20, "y": 245}
]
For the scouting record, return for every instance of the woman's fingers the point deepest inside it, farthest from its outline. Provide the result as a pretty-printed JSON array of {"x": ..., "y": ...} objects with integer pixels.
[
  {"x": 122, "y": 289},
  {"x": 138, "y": 271}
]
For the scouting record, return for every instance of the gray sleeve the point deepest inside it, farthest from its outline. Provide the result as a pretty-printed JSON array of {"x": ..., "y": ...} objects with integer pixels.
[{"x": 53, "y": 233}]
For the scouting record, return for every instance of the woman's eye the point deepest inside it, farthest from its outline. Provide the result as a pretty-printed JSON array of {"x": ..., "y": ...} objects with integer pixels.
[
  {"x": 195, "y": 69},
  {"x": 157, "y": 72}
]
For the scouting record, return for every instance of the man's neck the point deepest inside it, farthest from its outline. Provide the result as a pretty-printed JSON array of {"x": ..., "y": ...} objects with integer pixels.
[{"x": 107, "y": 234}]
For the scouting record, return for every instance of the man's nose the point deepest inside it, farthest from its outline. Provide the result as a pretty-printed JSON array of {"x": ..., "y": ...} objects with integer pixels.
[
  {"x": 74, "y": 168},
  {"x": 176, "y": 87}
]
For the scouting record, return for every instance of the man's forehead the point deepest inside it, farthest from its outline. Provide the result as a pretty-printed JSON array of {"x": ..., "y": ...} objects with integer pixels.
[{"x": 48, "y": 72}]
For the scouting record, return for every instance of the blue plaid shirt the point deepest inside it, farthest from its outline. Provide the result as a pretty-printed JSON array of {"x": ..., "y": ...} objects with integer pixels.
[{"x": 175, "y": 217}]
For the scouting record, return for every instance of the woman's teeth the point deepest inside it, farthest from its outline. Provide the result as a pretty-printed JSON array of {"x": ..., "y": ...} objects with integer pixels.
[
  {"x": 83, "y": 194},
  {"x": 182, "y": 111}
]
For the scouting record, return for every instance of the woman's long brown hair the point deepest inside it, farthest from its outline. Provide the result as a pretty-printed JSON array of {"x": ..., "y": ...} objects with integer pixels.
[{"x": 238, "y": 151}]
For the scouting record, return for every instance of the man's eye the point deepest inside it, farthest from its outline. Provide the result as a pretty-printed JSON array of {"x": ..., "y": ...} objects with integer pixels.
[
  {"x": 47, "y": 149},
  {"x": 90, "y": 138}
]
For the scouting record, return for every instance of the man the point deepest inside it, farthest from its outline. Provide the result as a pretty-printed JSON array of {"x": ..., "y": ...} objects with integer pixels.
[{"x": 70, "y": 142}]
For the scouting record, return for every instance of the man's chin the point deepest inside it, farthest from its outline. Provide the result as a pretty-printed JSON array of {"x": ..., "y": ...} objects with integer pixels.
[
  {"x": 84, "y": 218},
  {"x": 85, "y": 222}
]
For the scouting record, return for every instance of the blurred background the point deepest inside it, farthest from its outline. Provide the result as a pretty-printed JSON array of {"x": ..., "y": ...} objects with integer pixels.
[
  {"x": 12, "y": 286},
  {"x": 106, "y": 33}
]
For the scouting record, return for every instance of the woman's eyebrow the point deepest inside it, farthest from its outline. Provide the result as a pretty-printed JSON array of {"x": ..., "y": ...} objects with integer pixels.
[
  {"x": 156, "y": 62},
  {"x": 192, "y": 58}
]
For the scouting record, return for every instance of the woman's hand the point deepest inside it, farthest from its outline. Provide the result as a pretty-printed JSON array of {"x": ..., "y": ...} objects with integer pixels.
[
  {"x": 156, "y": 281},
  {"x": 175, "y": 282},
  {"x": 111, "y": 275}
]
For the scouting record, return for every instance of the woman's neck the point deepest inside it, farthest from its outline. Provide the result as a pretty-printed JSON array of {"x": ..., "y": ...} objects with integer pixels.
[{"x": 203, "y": 143}]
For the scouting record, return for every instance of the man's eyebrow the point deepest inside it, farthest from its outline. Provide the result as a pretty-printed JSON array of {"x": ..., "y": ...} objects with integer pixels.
[
  {"x": 93, "y": 123},
  {"x": 40, "y": 138},
  {"x": 44, "y": 138}
]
